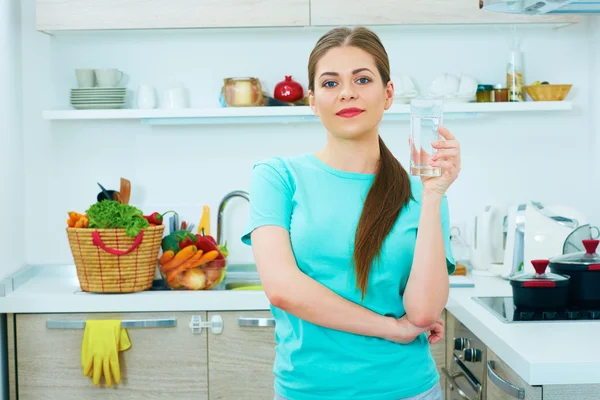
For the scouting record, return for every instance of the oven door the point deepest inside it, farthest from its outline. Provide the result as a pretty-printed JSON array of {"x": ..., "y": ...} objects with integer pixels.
[{"x": 462, "y": 383}]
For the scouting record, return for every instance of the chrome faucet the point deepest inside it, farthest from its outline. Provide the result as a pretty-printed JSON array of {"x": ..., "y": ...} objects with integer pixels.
[{"x": 226, "y": 198}]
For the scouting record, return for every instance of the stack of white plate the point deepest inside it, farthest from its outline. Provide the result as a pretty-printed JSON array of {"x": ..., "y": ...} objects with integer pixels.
[{"x": 99, "y": 98}]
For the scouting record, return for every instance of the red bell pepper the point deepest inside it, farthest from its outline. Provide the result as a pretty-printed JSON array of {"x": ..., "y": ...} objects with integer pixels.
[{"x": 156, "y": 218}]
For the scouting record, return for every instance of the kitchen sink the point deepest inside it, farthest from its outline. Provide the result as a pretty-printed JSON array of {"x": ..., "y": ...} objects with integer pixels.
[{"x": 241, "y": 275}]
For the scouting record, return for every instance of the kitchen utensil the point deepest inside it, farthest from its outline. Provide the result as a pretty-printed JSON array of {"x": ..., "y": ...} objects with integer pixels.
[
  {"x": 425, "y": 118},
  {"x": 86, "y": 78},
  {"x": 125, "y": 190},
  {"x": 172, "y": 227},
  {"x": 117, "y": 197},
  {"x": 204, "y": 221},
  {"x": 242, "y": 92},
  {"x": 108, "y": 195},
  {"x": 573, "y": 242},
  {"x": 584, "y": 270},
  {"x": 548, "y": 92},
  {"x": 487, "y": 240},
  {"x": 288, "y": 90},
  {"x": 146, "y": 97},
  {"x": 540, "y": 289},
  {"x": 175, "y": 98},
  {"x": 108, "y": 77}
]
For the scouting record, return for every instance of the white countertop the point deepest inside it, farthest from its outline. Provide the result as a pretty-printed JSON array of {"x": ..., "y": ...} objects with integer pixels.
[{"x": 541, "y": 353}]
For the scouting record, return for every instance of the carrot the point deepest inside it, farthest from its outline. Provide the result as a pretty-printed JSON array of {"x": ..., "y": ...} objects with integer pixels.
[
  {"x": 167, "y": 256},
  {"x": 193, "y": 262},
  {"x": 208, "y": 257},
  {"x": 183, "y": 255}
]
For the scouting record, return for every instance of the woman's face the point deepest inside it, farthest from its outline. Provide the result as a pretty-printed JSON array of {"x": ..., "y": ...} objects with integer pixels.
[{"x": 349, "y": 95}]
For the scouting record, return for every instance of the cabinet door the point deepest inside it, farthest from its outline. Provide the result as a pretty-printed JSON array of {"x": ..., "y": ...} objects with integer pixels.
[
  {"x": 54, "y": 15},
  {"x": 388, "y": 12},
  {"x": 505, "y": 384},
  {"x": 438, "y": 351},
  {"x": 458, "y": 339},
  {"x": 163, "y": 362},
  {"x": 240, "y": 358}
]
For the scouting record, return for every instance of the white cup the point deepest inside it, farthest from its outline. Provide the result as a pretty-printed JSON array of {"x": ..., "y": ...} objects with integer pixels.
[
  {"x": 146, "y": 97},
  {"x": 108, "y": 77},
  {"x": 175, "y": 98},
  {"x": 86, "y": 78}
]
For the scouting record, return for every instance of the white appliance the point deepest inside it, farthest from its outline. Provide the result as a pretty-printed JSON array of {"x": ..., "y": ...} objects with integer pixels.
[
  {"x": 487, "y": 251},
  {"x": 534, "y": 7},
  {"x": 535, "y": 231}
]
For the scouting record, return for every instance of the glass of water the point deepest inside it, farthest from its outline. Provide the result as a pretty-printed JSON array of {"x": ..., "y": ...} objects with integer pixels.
[{"x": 425, "y": 118}]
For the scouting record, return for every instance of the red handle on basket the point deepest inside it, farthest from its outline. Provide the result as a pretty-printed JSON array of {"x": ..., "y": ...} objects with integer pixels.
[{"x": 97, "y": 241}]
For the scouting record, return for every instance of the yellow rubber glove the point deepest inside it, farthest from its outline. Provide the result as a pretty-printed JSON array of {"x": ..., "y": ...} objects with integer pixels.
[{"x": 102, "y": 341}]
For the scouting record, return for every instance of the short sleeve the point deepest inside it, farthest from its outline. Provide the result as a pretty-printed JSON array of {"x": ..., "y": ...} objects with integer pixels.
[
  {"x": 271, "y": 195},
  {"x": 445, "y": 216}
]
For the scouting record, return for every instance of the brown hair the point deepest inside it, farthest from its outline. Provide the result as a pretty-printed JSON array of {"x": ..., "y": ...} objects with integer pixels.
[{"x": 390, "y": 190}]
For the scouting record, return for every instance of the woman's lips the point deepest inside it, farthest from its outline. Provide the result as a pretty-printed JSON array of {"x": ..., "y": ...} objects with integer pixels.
[{"x": 349, "y": 112}]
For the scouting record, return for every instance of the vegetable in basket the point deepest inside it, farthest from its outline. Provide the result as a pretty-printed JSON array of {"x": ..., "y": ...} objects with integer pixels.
[
  {"x": 77, "y": 220},
  {"x": 110, "y": 214},
  {"x": 157, "y": 218}
]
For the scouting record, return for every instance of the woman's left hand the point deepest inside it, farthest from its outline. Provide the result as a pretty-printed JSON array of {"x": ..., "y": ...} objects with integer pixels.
[{"x": 448, "y": 159}]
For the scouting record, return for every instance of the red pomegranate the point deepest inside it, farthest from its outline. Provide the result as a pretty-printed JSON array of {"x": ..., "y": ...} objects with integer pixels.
[{"x": 288, "y": 90}]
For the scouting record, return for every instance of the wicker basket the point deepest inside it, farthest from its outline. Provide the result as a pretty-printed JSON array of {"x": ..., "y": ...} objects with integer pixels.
[
  {"x": 108, "y": 261},
  {"x": 548, "y": 92}
]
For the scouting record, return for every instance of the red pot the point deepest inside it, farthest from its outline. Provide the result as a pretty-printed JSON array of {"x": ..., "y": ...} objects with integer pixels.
[{"x": 288, "y": 90}]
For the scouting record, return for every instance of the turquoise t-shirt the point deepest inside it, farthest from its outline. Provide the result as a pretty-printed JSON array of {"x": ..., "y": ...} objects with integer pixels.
[{"x": 320, "y": 206}]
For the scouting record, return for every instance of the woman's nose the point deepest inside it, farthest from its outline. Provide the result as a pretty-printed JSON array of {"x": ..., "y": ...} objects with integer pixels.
[{"x": 347, "y": 93}]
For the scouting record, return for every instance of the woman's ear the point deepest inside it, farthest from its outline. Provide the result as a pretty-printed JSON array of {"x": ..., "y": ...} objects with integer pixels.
[
  {"x": 311, "y": 102},
  {"x": 389, "y": 95}
]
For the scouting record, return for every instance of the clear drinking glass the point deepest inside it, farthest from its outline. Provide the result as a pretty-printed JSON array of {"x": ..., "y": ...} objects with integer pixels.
[{"x": 425, "y": 118}]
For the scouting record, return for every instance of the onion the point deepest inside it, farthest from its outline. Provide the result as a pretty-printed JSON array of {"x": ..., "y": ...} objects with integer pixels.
[{"x": 193, "y": 279}]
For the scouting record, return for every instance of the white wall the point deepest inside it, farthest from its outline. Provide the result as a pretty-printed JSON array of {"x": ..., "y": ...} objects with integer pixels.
[
  {"x": 595, "y": 85},
  {"x": 506, "y": 158},
  {"x": 12, "y": 236}
]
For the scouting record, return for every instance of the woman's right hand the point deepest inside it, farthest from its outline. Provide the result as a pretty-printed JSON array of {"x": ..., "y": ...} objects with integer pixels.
[{"x": 402, "y": 331}]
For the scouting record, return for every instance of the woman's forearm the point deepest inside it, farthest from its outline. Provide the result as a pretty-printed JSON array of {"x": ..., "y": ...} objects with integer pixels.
[
  {"x": 309, "y": 300},
  {"x": 291, "y": 290},
  {"x": 427, "y": 289}
]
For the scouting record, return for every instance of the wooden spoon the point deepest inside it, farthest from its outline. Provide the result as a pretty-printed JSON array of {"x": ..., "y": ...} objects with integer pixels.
[
  {"x": 117, "y": 197},
  {"x": 125, "y": 190}
]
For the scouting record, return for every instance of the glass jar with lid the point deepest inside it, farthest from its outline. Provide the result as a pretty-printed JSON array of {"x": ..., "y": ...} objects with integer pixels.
[{"x": 484, "y": 93}]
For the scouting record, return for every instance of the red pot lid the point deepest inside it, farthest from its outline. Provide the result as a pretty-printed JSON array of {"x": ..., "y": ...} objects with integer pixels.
[
  {"x": 582, "y": 260},
  {"x": 540, "y": 278}
]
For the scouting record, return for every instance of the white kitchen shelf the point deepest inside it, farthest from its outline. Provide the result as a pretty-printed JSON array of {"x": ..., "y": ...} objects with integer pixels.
[{"x": 292, "y": 114}]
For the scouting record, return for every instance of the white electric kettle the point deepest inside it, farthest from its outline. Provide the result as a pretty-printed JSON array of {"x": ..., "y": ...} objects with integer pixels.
[{"x": 487, "y": 240}]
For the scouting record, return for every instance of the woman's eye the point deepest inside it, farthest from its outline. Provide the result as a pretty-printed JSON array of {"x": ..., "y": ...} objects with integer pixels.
[
  {"x": 329, "y": 84},
  {"x": 363, "y": 80}
]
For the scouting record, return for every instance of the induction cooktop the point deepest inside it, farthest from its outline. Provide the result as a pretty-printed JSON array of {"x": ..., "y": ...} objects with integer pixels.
[{"x": 504, "y": 309}]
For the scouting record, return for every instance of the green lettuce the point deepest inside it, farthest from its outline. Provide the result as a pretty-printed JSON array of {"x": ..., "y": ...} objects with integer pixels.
[{"x": 110, "y": 214}]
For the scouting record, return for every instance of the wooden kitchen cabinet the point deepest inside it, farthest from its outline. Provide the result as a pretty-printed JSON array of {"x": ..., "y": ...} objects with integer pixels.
[
  {"x": 505, "y": 384},
  {"x": 391, "y": 12},
  {"x": 455, "y": 330},
  {"x": 62, "y": 15},
  {"x": 240, "y": 358},
  {"x": 163, "y": 362}
]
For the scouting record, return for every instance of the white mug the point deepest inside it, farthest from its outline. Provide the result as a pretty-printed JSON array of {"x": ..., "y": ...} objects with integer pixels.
[
  {"x": 108, "y": 77},
  {"x": 146, "y": 97},
  {"x": 175, "y": 98},
  {"x": 86, "y": 78}
]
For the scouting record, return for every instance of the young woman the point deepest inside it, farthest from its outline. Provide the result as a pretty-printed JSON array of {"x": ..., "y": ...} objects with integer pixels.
[{"x": 352, "y": 252}]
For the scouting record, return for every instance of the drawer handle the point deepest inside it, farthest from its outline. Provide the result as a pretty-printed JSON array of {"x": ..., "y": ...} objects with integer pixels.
[
  {"x": 140, "y": 323},
  {"x": 503, "y": 385},
  {"x": 256, "y": 322},
  {"x": 454, "y": 385}
]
